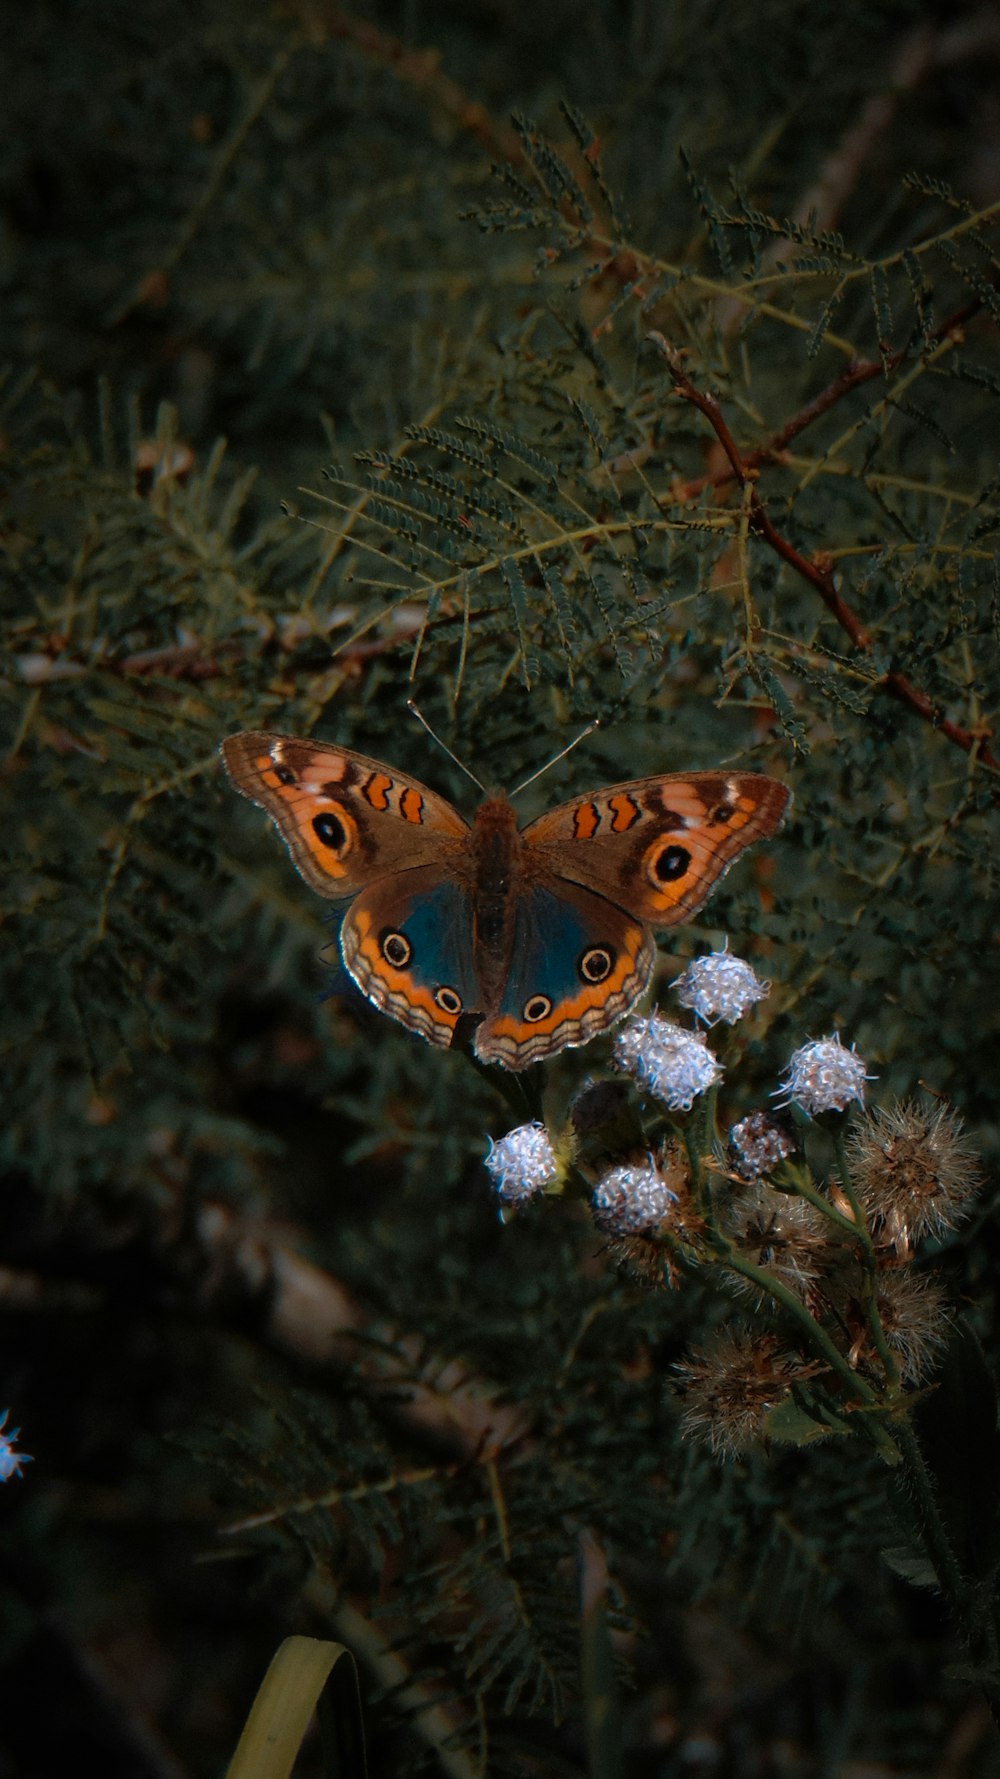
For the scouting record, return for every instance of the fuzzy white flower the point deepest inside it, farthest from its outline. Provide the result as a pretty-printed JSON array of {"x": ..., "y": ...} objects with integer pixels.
[
  {"x": 672, "y": 1064},
  {"x": 522, "y": 1163},
  {"x": 824, "y": 1076},
  {"x": 720, "y": 986},
  {"x": 629, "y": 1200}
]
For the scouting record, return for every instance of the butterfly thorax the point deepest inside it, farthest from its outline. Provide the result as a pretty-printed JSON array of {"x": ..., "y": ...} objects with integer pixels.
[{"x": 498, "y": 867}]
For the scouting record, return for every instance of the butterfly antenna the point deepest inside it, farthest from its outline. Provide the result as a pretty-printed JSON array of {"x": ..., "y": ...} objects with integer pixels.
[
  {"x": 412, "y": 708},
  {"x": 589, "y": 730}
]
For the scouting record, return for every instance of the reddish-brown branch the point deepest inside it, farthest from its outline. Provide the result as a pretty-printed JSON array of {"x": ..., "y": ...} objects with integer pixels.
[
  {"x": 895, "y": 684},
  {"x": 418, "y": 68},
  {"x": 853, "y": 376}
]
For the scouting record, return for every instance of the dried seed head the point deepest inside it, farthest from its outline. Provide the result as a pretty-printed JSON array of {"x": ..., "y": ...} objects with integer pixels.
[
  {"x": 672, "y": 1064},
  {"x": 731, "y": 1386},
  {"x": 642, "y": 1261},
  {"x": 758, "y": 1143},
  {"x": 913, "y": 1310},
  {"x": 915, "y": 1170},
  {"x": 787, "y": 1236}
]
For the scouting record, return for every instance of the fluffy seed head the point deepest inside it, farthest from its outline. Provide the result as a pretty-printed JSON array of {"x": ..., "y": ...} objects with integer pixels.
[
  {"x": 672, "y": 1064},
  {"x": 720, "y": 987},
  {"x": 731, "y": 1386},
  {"x": 914, "y": 1313},
  {"x": 824, "y": 1076},
  {"x": 915, "y": 1170},
  {"x": 787, "y": 1236},
  {"x": 522, "y": 1163}
]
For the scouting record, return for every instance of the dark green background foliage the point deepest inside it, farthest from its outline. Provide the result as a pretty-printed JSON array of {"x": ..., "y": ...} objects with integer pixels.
[{"x": 249, "y": 1245}]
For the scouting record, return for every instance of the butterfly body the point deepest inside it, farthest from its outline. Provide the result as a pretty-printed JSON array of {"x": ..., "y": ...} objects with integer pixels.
[{"x": 539, "y": 937}]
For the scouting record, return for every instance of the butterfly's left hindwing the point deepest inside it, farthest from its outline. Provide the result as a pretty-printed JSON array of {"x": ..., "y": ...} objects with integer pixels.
[
  {"x": 344, "y": 818},
  {"x": 407, "y": 941}
]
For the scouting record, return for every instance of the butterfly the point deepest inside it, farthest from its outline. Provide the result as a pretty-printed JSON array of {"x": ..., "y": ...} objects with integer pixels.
[{"x": 540, "y": 935}]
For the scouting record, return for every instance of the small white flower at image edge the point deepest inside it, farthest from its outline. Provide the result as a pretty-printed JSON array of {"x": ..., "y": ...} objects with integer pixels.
[
  {"x": 10, "y": 1460},
  {"x": 522, "y": 1163}
]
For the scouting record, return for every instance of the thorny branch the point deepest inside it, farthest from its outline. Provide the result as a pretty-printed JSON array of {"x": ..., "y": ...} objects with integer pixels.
[{"x": 896, "y": 685}]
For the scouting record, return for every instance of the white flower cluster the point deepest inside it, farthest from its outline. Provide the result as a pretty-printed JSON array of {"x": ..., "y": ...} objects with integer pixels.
[
  {"x": 522, "y": 1163},
  {"x": 629, "y": 1200},
  {"x": 824, "y": 1076},
  {"x": 672, "y": 1064},
  {"x": 720, "y": 986}
]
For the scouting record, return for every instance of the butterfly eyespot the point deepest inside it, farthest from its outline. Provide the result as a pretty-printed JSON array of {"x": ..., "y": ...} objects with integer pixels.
[
  {"x": 330, "y": 831},
  {"x": 724, "y": 813},
  {"x": 285, "y": 775},
  {"x": 596, "y": 963},
  {"x": 448, "y": 999},
  {"x": 670, "y": 863},
  {"x": 537, "y": 1008},
  {"x": 396, "y": 949}
]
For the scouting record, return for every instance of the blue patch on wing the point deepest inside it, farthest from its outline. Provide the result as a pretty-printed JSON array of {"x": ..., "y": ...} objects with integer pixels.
[
  {"x": 550, "y": 937},
  {"x": 438, "y": 924}
]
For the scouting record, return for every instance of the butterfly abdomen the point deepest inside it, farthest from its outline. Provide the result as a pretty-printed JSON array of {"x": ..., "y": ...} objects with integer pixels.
[{"x": 496, "y": 859}]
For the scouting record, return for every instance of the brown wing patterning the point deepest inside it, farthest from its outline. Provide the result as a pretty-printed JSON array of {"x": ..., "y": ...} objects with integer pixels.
[
  {"x": 657, "y": 846},
  {"x": 344, "y": 818}
]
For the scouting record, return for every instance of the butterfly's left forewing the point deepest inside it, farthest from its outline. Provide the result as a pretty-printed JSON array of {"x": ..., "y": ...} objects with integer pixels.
[
  {"x": 658, "y": 846},
  {"x": 345, "y": 819}
]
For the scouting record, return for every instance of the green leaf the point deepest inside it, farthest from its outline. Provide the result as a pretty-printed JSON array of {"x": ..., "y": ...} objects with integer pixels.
[{"x": 791, "y": 1424}]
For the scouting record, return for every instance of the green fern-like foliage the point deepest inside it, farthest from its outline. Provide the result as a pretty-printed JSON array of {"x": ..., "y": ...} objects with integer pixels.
[{"x": 347, "y": 367}]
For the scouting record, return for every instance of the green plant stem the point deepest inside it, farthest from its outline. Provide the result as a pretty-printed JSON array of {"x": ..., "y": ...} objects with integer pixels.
[
  {"x": 699, "y": 1136},
  {"x": 973, "y": 1616},
  {"x": 869, "y": 1261},
  {"x": 815, "y": 1335}
]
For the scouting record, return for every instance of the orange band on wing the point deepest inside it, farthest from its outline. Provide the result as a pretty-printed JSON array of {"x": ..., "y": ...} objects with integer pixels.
[
  {"x": 626, "y": 812},
  {"x": 392, "y": 990},
  {"x": 586, "y": 821},
  {"x": 516, "y": 1042},
  {"x": 376, "y": 789},
  {"x": 411, "y": 805}
]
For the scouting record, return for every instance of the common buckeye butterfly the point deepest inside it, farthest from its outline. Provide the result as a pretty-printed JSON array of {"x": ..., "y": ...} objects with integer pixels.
[{"x": 541, "y": 935}]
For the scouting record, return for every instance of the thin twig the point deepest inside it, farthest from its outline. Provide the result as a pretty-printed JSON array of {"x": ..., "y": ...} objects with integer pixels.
[{"x": 895, "y": 684}]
